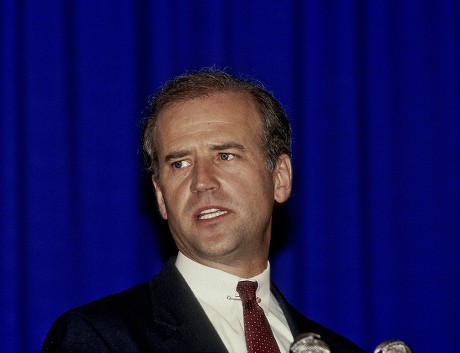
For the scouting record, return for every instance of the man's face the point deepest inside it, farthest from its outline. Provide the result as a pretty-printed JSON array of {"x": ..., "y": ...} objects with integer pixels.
[{"x": 214, "y": 186}]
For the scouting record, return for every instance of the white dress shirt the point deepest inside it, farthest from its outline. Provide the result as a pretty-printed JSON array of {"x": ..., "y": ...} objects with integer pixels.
[{"x": 216, "y": 292}]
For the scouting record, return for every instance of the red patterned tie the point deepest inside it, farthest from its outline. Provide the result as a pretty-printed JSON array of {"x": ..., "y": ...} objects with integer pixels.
[{"x": 259, "y": 336}]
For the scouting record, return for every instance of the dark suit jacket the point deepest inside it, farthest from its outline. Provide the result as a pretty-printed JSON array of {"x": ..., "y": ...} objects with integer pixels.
[{"x": 161, "y": 315}]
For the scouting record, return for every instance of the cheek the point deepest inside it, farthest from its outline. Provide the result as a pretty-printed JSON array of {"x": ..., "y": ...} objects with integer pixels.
[
  {"x": 258, "y": 187},
  {"x": 174, "y": 200},
  {"x": 169, "y": 198}
]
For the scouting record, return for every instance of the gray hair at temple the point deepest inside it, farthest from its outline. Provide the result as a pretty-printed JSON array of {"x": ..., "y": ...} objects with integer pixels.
[{"x": 276, "y": 131}]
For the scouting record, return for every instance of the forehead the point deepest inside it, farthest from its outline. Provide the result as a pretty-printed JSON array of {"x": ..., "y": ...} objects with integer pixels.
[{"x": 219, "y": 114}]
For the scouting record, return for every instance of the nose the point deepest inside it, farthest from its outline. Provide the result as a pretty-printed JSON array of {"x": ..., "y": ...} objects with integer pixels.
[{"x": 204, "y": 177}]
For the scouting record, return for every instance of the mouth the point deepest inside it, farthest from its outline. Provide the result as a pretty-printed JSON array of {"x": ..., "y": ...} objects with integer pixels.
[{"x": 211, "y": 213}]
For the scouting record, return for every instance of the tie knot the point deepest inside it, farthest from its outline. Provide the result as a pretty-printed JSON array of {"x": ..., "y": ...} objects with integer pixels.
[{"x": 247, "y": 290}]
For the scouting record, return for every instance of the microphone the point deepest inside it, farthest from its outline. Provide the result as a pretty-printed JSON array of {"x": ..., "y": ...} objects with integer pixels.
[
  {"x": 309, "y": 343},
  {"x": 392, "y": 346}
]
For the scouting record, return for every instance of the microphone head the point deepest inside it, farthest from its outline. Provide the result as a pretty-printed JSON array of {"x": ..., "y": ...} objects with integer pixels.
[
  {"x": 309, "y": 343},
  {"x": 392, "y": 346}
]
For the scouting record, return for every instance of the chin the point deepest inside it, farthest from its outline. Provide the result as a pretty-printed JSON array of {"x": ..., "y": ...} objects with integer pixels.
[{"x": 218, "y": 251}]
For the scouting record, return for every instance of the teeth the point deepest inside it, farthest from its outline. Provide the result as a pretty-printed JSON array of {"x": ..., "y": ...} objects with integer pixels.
[{"x": 211, "y": 213}]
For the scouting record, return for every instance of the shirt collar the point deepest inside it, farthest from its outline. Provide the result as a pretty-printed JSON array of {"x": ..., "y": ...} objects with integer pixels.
[{"x": 217, "y": 288}]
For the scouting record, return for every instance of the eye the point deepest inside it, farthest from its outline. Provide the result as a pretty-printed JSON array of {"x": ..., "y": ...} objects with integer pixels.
[
  {"x": 226, "y": 156},
  {"x": 180, "y": 164}
]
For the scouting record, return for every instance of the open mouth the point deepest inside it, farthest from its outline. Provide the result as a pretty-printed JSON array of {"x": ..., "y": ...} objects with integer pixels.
[{"x": 211, "y": 213}]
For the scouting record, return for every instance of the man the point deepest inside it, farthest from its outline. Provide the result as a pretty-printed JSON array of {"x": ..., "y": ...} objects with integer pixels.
[{"x": 218, "y": 148}]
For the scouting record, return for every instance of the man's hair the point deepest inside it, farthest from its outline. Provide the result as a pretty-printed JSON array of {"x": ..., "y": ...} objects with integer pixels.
[{"x": 276, "y": 131}]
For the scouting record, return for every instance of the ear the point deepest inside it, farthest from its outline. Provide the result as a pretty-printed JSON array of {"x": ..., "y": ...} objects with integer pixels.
[
  {"x": 282, "y": 178},
  {"x": 160, "y": 199}
]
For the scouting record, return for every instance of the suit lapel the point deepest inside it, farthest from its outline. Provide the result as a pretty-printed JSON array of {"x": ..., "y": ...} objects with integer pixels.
[
  {"x": 290, "y": 313},
  {"x": 178, "y": 318}
]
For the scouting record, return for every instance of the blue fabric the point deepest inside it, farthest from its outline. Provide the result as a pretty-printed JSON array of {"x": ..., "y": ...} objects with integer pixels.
[{"x": 372, "y": 90}]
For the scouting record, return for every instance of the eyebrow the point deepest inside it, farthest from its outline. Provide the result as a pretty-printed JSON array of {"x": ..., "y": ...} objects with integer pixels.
[
  {"x": 227, "y": 146},
  {"x": 176, "y": 154}
]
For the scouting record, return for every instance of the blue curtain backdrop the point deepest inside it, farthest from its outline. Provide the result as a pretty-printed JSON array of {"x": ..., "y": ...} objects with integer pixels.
[{"x": 371, "y": 234}]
